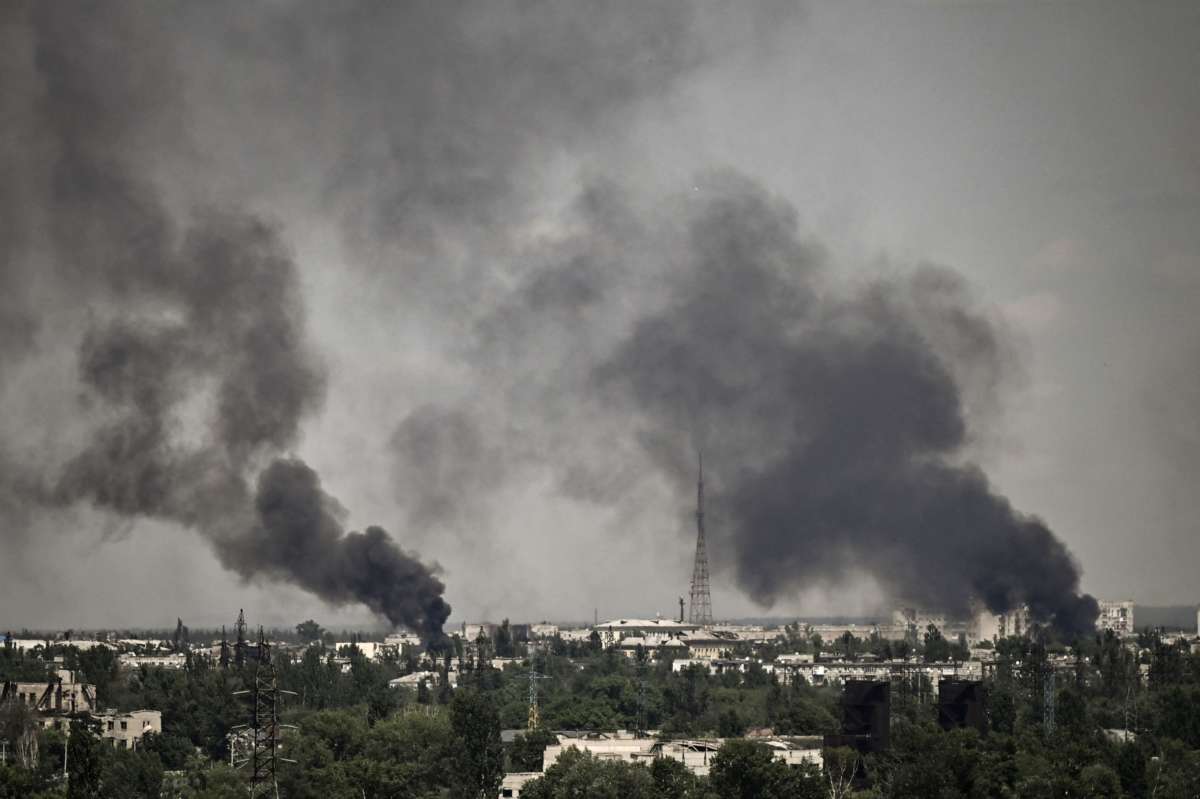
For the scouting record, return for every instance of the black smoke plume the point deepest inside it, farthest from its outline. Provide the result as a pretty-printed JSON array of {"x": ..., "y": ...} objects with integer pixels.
[
  {"x": 299, "y": 538},
  {"x": 838, "y": 418},
  {"x": 194, "y": 359}
]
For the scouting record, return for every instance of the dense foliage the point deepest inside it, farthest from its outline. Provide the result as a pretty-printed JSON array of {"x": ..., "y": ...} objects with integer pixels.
[{"x": 355, "y": 737}]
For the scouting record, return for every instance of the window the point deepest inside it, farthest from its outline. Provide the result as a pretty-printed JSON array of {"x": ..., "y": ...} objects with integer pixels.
[
  {"x": 110, "y": 724},
  {"x": 124, "y": 725}
]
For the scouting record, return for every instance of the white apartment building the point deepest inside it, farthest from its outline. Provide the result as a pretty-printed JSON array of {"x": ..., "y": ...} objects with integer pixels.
[{"x": 1116, "y": 616}]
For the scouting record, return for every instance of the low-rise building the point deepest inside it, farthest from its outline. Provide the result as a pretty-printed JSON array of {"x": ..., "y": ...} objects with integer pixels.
[
  {"x": 175, "y": 661},
  {"x": 704, "y": 646},
  {"x": 403, "y": 642},
  {"x": 514, "y": 781},
  {"x": 654, "y": 631},
  {"x": 126, "y": 730},
  {"x": 58, "y": 696},
  {"x": 543, "y": 630},
  {"x": 695, "y": 754},
  {"x": 794, "y": 658},
  {"x": 371, "y": 650},
  {"x": 432, "y": 679},
  {"x": 825, "y": 672},
  {"x": 715, "y": 666}
]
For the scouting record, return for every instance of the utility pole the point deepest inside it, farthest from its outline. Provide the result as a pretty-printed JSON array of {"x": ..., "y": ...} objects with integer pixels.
[{"x": 700, "y": 607}]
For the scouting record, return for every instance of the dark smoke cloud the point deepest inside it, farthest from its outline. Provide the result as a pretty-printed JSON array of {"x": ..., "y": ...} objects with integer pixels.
[
  {"x": 299, "y": 538},
  {"x": 444, "y": 466},
  {"x": 627, "y": 331},
  {"x": 195, "y": 360},
  {"x": 839, "y": 414},
  {"x": 838, "y": 424}
]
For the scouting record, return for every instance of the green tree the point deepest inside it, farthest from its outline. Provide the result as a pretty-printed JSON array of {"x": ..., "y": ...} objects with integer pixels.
[
  {"x": 581, "y": 775},
  {"x": 408, "y": 756},
  {"x": 1099, "y": 781},
  {"x": 937, "y": 648},
  {"x": 83, "y": 763},
  {"x": 309, "y": 631},
  {"x": 423, "y": 695},
  {"x": 729, "y": 724},
  {"x": 17, "y": 783},
  {"x": 525, "y": 752},
  {"x": 173, "y": 750},
  {"x": 504, "y": 640},
  {"x": 745, "y": 769},
  {"x": 1131, "y": 768},
  {"x": 673, "y": 780},
  {"x": 479, "y": 762},
  {"x": 179, "y": 640},
  {"x": 132, "y": 774}
]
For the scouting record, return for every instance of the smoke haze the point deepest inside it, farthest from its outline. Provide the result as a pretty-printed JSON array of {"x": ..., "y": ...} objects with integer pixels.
[{"x": 499, "y": 272}]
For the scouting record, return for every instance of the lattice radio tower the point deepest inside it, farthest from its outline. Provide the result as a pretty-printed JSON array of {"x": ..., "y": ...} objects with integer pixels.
[{"x": 700, "y": 605}]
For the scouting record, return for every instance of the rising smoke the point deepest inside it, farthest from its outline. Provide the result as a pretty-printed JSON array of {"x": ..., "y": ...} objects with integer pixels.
[
  {"x": 840, "y": 419},
  {"x": 209, "y": 308},
  {"x": 593, "y": 344},
  {"x": 840, "y": 414}
]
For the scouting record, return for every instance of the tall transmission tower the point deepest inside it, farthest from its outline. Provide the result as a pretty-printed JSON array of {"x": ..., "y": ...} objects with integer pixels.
[
  {"x": 239, "y": 647},
  {"x": 535, "y": 717},
  {"x": 260, "y": 738},
  {"x": 700, "y": 606}
]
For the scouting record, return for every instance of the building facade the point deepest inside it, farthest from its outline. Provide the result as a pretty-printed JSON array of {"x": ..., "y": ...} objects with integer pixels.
[
  {"x": 1116, "y": 616},
  {"x": 126, "y": 730}
]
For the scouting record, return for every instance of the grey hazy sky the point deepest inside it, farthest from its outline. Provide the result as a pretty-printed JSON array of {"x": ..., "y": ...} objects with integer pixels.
[{"x": 427, "y": 169}]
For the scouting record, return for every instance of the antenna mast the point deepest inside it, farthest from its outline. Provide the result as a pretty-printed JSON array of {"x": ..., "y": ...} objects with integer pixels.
[{"x": 700, "y": 605}]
